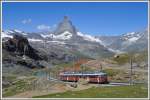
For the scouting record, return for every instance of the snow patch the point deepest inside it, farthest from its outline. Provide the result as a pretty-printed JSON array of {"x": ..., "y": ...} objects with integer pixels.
[
  {"x": 58, "y": 42},
  {"x": 23, "y": 33},
  {"x": 8, "y": 31},
  {"x": 133, "y": 39},
  {"x": 115, "y": 51},
  {"x": 4, "y": 35},
  {"x": 35, "y": 40},
  {"x": 46, "y": 35},
  {"x": 18, "y": 31},
  {"x": 64, "y": 36},
  {"x": 93, "y": 39},
  {"x": 89, "y": 37},
  {"x": 132, "y": 33}
]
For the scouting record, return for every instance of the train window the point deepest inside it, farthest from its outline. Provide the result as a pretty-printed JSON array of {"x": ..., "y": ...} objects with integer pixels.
[{"x": 93, "y": 76}]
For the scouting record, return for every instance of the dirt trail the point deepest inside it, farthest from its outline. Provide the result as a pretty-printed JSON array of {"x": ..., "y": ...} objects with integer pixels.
[{"x": 57, "y": 88}]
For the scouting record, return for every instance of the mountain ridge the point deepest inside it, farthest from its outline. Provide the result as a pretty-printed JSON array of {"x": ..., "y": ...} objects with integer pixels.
[{"x": 66, "y": 33}]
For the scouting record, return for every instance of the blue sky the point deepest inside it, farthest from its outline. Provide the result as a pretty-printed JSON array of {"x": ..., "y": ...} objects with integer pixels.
[{"x": 103, "y": 18}]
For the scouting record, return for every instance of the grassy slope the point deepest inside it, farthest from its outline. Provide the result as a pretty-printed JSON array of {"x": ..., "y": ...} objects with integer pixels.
[
  {"x": 123, "y": 58},
  {"x": 135, "y": 91},
  {"x": 17, "y": 86},
  {"x": 137, "y": 57}
]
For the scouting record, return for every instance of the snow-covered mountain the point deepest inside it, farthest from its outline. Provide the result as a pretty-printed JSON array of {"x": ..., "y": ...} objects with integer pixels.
[
  {"x": 132, "y": 41},
  {"x": 131, "y": 37},
  {"x": 67, "y": 35},
  {"x": 65, "y": 25},
  {"x": 41, "y": 37},
  {"x": 63, "y": 36},
  {"x": 9, "y": 33}
]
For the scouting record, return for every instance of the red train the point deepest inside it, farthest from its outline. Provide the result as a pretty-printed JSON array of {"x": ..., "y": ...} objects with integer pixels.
[{"x": 91, "y": 77}]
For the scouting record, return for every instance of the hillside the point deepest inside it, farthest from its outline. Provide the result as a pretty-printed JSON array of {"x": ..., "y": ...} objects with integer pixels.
[{"x": 32, "y": 61}]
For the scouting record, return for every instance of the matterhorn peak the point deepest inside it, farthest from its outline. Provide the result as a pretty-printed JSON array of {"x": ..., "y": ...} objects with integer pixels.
[
  {"x": 66, "y": 18},
  {"x": 65, "y": 25}
]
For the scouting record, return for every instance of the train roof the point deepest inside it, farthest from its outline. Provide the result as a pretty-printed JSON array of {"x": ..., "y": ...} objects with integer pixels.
[{"x": 83, "y": 74}]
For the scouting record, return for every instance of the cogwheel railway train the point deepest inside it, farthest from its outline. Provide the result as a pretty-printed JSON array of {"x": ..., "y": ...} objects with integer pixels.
[{"x": 91, "y": 77}]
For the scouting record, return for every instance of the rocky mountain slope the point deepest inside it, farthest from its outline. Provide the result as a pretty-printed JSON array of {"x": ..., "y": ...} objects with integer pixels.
[
  {"x": 66, "y": 43},
  {"x": 17, "y": 50},
  {"x": 67, "y": 38},
  {"x": 128, "y": 42}
]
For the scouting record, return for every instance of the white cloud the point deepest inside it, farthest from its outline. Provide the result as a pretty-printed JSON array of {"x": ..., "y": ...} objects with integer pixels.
[
  {"x": 26, "y": 21},
  {"x": 43, "y": 27},
  {"x": 55, "y": 25}
]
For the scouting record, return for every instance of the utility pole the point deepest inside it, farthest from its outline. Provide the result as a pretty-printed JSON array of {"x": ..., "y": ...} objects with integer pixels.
[
  {"x": 74, "y": 67},
  {"x": 131, "y": 67},
  {"x": 101, "y": 67},
  {"x": 82, "y": 69}
]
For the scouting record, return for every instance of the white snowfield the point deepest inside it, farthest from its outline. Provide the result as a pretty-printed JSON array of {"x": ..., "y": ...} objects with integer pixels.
[
  {"x": 35, "y": 40},
  {"x": 132, "y": 33},
  {"x": 46, "y": 35},
  {"x": 18, "y": 31},
  {"x": 89, "y": 37},
  {"x": 9, "y": 33},
  {"x": 93, "y": 39},
  {"x": 66, "y": 35},
  {"x": 3, "y": 35},
  {"x": 131, "y": 37},
  {"x": 63, "y": 36},
  {"x": 57, "y": 42}
]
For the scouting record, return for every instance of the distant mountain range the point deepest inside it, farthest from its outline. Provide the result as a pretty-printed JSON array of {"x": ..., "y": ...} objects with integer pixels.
[
  {"x": 129, "y": 42},
  {"x": 67, "y": 39}
]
